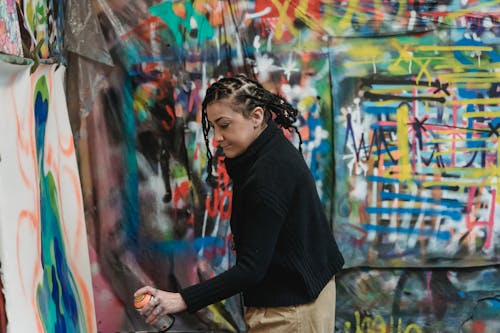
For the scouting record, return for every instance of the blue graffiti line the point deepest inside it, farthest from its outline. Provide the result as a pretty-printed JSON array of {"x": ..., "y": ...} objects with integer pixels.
[
  {"x": 463, "y": 59},
  {"x": 382, "y": 179},
  {"x": 380, "y": 110},
  {"x": 179, "y": 246},
  {"x": 382, "y": 151},
  {"x": 454, "y": 215},
  {"x": 444, "y": 235},
  {"x": 387, "y": 127},
  {"x": 445, "y": 202}
]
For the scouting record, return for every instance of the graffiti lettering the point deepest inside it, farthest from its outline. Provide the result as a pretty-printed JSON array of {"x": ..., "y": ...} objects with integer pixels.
[{"x": 377, "y": 324}]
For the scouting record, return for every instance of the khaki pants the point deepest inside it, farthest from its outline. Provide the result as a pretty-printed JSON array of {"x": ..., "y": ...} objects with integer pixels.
[{"x": 315, "y": 317}]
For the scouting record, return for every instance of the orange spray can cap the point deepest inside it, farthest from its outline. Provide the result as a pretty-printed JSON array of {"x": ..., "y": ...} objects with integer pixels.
[{"x": 141, "y": 300}]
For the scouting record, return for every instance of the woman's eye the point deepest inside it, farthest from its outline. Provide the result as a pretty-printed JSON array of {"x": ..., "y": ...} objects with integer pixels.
[{"x": 224, "y": 126}]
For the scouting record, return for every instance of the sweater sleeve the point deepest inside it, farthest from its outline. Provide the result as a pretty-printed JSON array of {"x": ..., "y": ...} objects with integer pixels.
[{"x": 256, "y": 242}]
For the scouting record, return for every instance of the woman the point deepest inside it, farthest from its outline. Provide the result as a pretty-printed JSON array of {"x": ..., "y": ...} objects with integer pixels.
[{"x": 286, "y": 256}]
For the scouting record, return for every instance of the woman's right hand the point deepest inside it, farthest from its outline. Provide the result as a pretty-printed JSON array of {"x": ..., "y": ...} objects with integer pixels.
[{"x": 164, "y": 303}]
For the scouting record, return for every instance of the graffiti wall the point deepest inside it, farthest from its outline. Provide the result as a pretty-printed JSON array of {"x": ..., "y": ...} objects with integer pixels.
[
  {"x": 416, "y": 145},
  {"x": 416, "y": 159},
  {"x": 398, "y": 115}
]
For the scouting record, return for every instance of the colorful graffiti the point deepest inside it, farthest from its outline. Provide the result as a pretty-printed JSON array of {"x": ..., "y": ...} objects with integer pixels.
[
  {"x": 417, "y": 146},
  {"x": 47, "y": 284},
  {"x": 418, "y": 300},
  {"x": 58, "y": 298},
  {"x": 10, "y": 36},
  {"x": 398, "y": 114}
]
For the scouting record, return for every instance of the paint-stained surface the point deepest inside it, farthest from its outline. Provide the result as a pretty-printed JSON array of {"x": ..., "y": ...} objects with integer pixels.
[
  {"x": 418, "y": 300},
  {"x": 417, "y": 150},
  {"x": 44, "y": 253},
  {"x": 10, "y": 35}
]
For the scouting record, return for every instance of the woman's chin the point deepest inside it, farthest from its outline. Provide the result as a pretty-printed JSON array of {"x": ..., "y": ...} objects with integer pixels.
[{"x": 230, "y": 154}]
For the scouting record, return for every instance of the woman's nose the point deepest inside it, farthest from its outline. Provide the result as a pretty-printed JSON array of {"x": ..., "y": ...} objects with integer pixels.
[{"x": 218, "y": 136}]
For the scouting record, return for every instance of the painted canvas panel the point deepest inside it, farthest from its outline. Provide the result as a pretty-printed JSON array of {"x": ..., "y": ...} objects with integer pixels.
[
  {"x": 417, "y": 153},
  {"x": 18, "y": 198},
  {"x": 45, "y": 263}
]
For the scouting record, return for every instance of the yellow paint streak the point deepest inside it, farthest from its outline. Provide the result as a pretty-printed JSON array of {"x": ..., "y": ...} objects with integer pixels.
[
  {"x": 473, "y": 80},
  {"x": 481, "y": 114},
  {"x": 461, "y": 68},
  {"x": 470, "y": 74},
  {"x": 462, "y": 140},
  {"x": 462, "y": 150},
  {"x": 423, "y": 71},
  {"x": 453, "y": 48},
  {"x": 470, "y": 172},
  {"x": 455, "y": 183},
  {"x": 366, "y": 52},
  {"x": 456, "y": 68},
  {"x": 403, "y": 145},
  {"x": 283, "y": 19},
  {"x": 404, "y": 55},
  {"x": 345, "y": 22},
  {"x": 476, "y": 85},
  {"x": 482, "y": 101}
]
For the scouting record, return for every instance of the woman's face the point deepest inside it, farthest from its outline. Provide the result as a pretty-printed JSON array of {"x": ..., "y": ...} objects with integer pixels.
[{"x": 232, "y": 130}]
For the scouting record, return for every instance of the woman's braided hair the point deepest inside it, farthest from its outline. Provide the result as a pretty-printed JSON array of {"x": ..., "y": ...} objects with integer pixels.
[{"x": 246, "y": 94}]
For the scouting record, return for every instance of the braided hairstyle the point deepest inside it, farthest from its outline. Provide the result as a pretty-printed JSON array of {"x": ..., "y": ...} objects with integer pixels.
[{"x": 246, "y": 94}]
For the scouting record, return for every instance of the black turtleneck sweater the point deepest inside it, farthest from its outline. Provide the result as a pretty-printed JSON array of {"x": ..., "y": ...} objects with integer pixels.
[{"x": 285, "y": 250}]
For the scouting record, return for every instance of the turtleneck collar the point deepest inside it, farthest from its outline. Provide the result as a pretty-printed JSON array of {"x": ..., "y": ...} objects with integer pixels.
[{"x": 238, "y": 166}]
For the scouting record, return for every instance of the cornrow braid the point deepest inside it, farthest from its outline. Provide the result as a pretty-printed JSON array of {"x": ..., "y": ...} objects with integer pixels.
[{"x": 247, "y": 94}]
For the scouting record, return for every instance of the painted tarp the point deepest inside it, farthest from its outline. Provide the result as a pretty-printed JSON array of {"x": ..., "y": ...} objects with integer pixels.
[{"x": 44, "y": 255}]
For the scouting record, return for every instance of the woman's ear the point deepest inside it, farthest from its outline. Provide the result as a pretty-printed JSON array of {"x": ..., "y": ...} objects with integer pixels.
[{"x": 257, "y": 116}]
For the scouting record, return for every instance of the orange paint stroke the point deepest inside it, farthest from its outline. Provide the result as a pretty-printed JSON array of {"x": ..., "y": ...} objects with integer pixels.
[
  {"x": 75, "y": 182},
  {"x": 14, "y": 106},
  {"x": 23, "y": 145},
  {"x": 69, "y": 148},
  {"x": 88, "y": 301},
  {"x": 32, "y": 219}
]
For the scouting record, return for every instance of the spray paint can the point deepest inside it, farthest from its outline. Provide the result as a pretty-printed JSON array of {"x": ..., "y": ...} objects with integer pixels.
[{"x": 164, "y": 322}]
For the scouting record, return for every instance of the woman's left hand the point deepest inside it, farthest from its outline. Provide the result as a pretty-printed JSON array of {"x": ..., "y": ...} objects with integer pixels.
[{"x": 164, "y": 303}]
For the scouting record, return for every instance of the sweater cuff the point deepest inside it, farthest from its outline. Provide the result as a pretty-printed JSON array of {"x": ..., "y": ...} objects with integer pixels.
[{"x": 191, "y": 298}]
